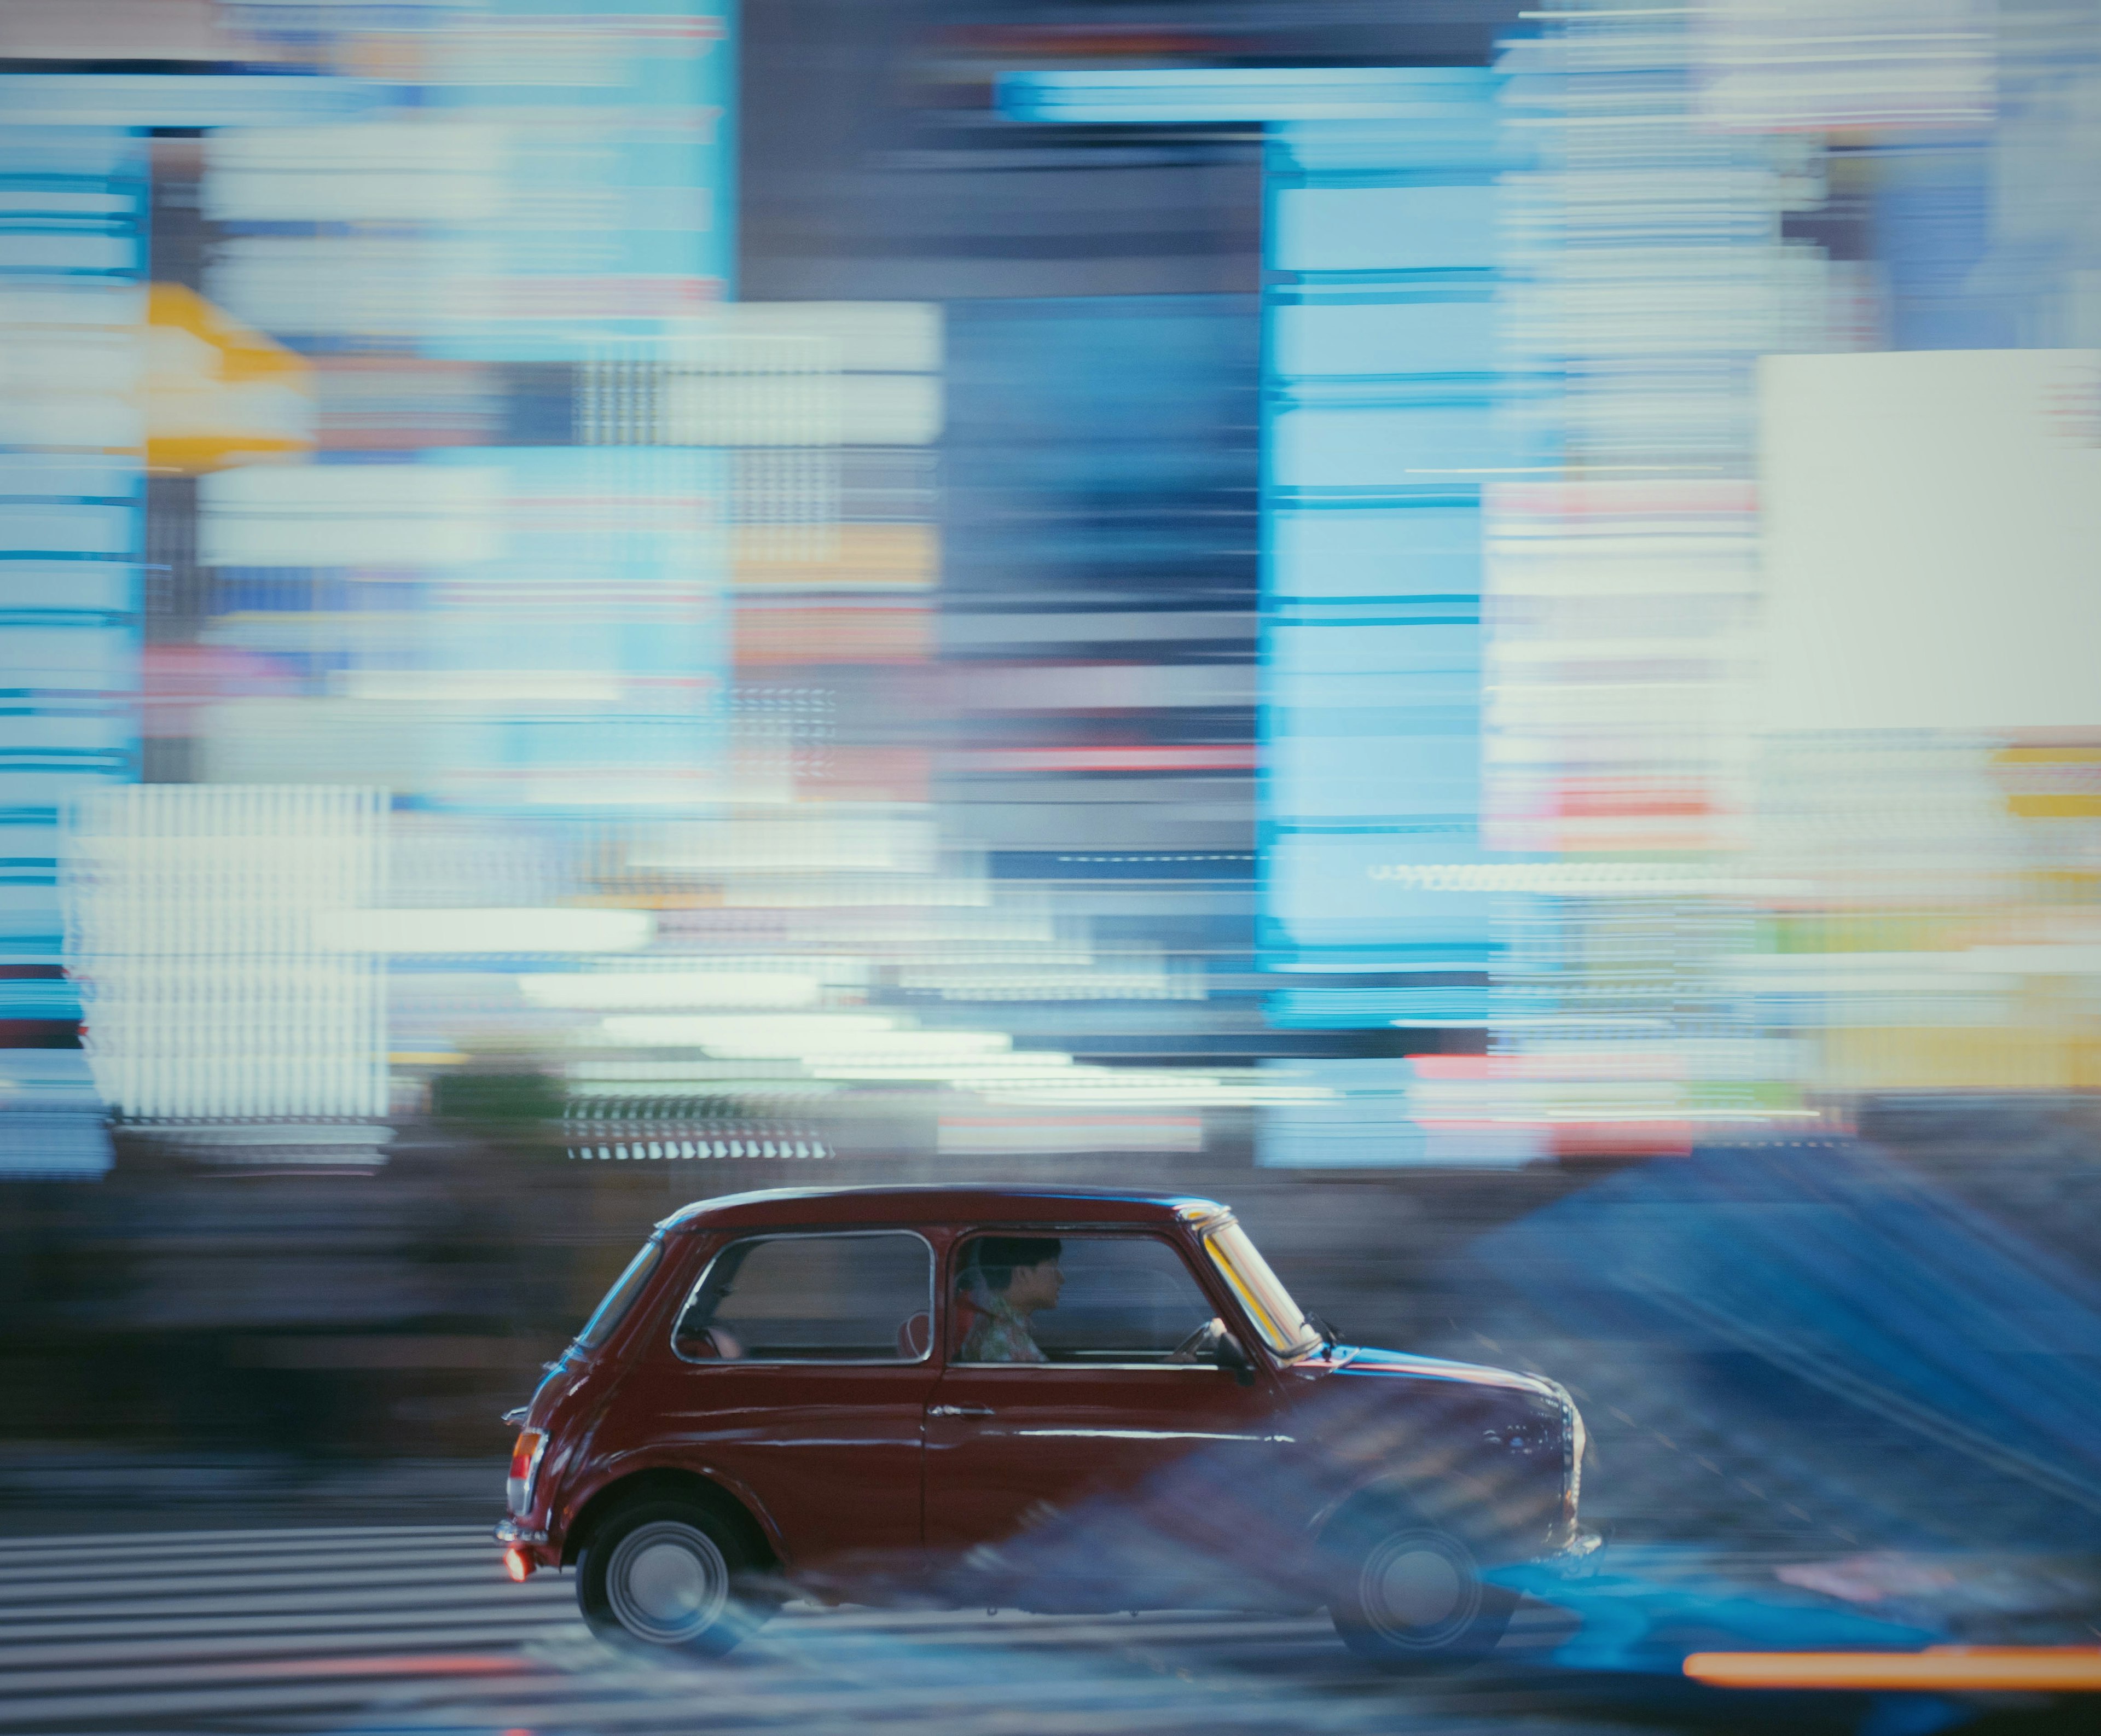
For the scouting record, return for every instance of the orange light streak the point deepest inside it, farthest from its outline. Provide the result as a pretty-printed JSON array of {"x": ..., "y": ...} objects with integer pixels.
[{"x": 2046, "y": 1669}]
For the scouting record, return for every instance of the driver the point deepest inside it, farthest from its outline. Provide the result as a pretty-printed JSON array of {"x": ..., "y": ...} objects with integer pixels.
[{"x": 1008, "y": 1279}]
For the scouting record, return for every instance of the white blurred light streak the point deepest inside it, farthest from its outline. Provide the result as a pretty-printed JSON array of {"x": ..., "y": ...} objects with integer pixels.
[
  {"x": 762, "y": 1034},
  {"x": 597, "y": 991},
  {"x": 1581, "y": 879},
  {"x": 469, "y": 931}
]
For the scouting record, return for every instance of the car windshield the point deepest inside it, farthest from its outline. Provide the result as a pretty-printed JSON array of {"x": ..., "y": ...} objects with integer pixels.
[
  {"x": 621, "y": 1298},
  {"x": 1268, "y": 1303}
]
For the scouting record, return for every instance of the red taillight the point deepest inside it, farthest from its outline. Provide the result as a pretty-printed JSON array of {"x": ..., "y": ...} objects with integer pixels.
[
  {"x": 518, "y": 1564},
  {"x": 524, "y": 1461}
]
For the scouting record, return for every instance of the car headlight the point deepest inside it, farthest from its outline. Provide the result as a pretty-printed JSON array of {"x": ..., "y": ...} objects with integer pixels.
[{"x": 1575, "y": 1439}]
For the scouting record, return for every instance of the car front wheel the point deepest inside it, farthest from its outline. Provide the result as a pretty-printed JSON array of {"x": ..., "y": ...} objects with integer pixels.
[
  {"x": 670, "y": 1577},
  {"x": 1411, "y": 1598}
]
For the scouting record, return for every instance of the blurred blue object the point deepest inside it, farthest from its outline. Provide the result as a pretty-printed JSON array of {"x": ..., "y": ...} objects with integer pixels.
[
  {"x": 1815, "y": 1290},
  {"x": 1155, "y": 97},
  {"x": 1380, "y": 424},
  {"x": 1645, "y": 1609},
  {"x": 70, "y": 264},
  {"x": 52, "y": 1127}
]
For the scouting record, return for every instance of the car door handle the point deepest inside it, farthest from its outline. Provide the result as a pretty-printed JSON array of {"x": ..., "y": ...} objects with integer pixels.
[{"x": 959, "y": 1410}]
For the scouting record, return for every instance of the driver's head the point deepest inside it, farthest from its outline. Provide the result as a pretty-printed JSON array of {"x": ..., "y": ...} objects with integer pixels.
[{"x": 1021, "y": 1268}]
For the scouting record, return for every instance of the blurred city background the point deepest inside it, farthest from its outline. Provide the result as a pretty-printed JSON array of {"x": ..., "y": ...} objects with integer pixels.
[{"x": 1471, "y": 627}]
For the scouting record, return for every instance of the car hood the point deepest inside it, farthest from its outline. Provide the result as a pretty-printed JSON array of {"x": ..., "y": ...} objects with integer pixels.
[{"x": 1364, "y": 1361}]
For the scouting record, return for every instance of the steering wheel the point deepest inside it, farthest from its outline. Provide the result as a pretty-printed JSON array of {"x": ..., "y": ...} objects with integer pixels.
[{"x": 1198, "y": 1341}]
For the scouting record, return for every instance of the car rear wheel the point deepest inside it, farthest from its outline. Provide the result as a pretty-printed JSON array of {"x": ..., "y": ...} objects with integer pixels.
[
  {"x": 1411, "y": 1598},
  {"x": 670, "y": 1577}
]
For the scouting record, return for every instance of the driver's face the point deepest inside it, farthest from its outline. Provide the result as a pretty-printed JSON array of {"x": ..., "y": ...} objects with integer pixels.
[{"x": 1035, "y": 1287}]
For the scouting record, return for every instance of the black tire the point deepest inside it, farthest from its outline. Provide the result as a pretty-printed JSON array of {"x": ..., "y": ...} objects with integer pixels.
[
  {"x": 669, "y": 1576},
  {"x": 1408, "y": 1597}
]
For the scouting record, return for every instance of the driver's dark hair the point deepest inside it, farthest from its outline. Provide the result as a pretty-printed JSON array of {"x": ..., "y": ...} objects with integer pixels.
[{"x": 991, "y": 1260}]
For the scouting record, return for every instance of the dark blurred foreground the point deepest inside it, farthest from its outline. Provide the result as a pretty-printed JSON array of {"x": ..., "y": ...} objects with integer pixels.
[{"x": 1841, "y": 1394}]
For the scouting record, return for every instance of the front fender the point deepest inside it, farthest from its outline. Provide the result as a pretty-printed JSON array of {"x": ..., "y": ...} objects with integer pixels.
[
  {"x": 1480, "y": 1458},
  {"x": 1451, "y": 1499}
]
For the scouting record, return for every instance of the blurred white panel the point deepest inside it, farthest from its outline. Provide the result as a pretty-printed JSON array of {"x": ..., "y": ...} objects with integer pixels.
[
  {"x": 845, "y": 890},
  {"x": 543, "y": 689},
  {"x": 371, "y": 633},
  {"x": 191, "y": 923},
  {"x": 772, "y": 390},
  {"x": 1794, "y": 65},
  {"x": 891, "y": 409},
  {"x": 787, "y": 844},
  {"x": 1931, "y": 519},
  {"x": 1015, "y": 1135},
  {"x": 394, "y": 286},
  {"x": 71, "y": 420},
  {"x": 556, "y": 929},
  {"x": 377, "y": 171},
  {"x": 74, "y": 308},
  {"x": 350, "y": 514},
  {"x": 606, "y": 990},
  {"x": 70, "y": 361},
  {"x": 872, "y": 336},
  {"x": 273, "y": 739},
  {"x": 766, "y": 1034}
]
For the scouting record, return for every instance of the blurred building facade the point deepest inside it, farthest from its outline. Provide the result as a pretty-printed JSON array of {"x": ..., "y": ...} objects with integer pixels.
[
  {"x": 1233, "y": 569},
  {"x": 606, "y": 606}
]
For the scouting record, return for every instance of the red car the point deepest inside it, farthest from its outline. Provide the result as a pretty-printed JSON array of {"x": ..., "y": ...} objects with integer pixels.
[{"x": 1038, "y": 1399}]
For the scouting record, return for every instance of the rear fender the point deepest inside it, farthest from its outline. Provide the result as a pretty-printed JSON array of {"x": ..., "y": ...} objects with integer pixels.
[{"x": 633, "y": 1475}]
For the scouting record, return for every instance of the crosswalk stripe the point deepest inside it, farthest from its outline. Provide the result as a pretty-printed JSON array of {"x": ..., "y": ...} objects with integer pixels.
[
  {"x": 395, "y": 1636},
  {"x": 240, "y": 1542},
  {"x": 175, "y": 1616},
  {"x": 374, "y": 1570}
]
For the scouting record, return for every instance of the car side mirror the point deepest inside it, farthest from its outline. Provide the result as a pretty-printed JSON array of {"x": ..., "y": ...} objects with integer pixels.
[{"x": 1232, "y": 1354}]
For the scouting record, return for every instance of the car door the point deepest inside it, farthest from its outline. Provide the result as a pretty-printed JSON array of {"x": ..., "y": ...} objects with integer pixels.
[
  {"x": 1097, "y": 1429},
  {"x": 799, "y": 1374}
]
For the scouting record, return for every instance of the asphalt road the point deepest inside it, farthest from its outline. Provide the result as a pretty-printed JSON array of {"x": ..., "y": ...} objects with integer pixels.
[
  {"x": 401, "y": 1628},
  {"x": 415, "y": 1629}
]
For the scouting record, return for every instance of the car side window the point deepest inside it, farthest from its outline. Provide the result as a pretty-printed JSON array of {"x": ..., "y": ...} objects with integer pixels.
[
  {"x": 844, "y": 1297},
  {"x": 1089, "y": 1299}
]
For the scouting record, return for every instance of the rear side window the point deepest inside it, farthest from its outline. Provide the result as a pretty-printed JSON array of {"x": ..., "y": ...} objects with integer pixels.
[
  {"x": 621, "y": 1298},
  {"x": 850, "y": 1297}
]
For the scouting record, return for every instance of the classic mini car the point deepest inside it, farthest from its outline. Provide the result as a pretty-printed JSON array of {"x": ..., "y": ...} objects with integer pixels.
[{"x": 1037, "y": 1399}]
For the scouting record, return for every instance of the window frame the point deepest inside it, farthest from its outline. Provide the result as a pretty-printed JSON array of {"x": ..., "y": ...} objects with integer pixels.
[
  {"x": 1222, "y": 1268},
  {"x": 1075, "y": 1232},
  {"x": 635, "y": 1278},
  {"x": 735, "y": 1241}
]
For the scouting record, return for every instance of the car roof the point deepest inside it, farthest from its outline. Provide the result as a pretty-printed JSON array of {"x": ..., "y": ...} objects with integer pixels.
[{"x": 953, "y": 1204}]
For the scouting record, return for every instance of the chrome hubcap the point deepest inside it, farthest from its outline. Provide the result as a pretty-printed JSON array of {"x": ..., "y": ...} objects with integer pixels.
[
  {"x": 1419, "y": 1588},
  {"x": 667, "y": 1583}
]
